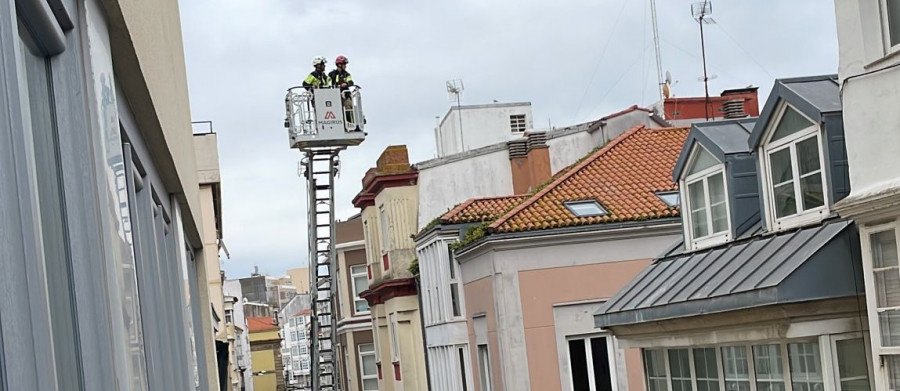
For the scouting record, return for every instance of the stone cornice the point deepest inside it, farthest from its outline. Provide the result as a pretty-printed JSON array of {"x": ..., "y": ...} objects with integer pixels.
[{"x": 386, "y": 290}]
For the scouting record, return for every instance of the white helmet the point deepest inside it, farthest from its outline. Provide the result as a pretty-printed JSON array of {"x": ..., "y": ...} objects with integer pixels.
[{"x": 319, "y": 60}]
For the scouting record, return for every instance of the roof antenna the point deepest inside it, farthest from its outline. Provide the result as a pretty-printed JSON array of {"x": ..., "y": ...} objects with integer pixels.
[
  {"x": 701, "y": 12},
  {"x": 454, "y": 91},
  {"x": 659, "y": 75}
]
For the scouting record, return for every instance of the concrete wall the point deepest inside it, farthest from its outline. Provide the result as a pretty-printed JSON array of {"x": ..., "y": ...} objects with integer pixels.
[
  {"x": 870, "y": 101},
  {"x": 299, "y": 278},
  {"x": 567, "y": 147},
  {"x": 608, "y": 258},
  {"x": 445, "y": 185},
  {"x": 482, "y": 125}
]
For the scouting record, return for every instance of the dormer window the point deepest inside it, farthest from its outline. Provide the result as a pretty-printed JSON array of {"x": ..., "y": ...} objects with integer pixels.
[
  {"x": 706, "y": 203},
  {"x": 794, "y": 166}
]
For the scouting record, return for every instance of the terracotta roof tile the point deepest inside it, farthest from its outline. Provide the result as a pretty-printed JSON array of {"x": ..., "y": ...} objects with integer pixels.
[
  {"x": 260, "y": 323},
  {"x": 623, "y": 176},
  {"x": 481, "y": 209}
]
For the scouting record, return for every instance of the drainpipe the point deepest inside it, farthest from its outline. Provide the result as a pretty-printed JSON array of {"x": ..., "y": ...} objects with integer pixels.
[{"x": 424, "y": 335}]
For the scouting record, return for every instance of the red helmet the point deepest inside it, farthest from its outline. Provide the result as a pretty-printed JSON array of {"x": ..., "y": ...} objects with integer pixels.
[{"x": 341, "y": 60}]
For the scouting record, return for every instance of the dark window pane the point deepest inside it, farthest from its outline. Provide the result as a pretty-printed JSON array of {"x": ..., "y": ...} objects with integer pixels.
[
  {"x": 462, "y": 369},
  {"x": 600, "y": 355},
  {"x": 852, "y": 369},
  {"x": 578, "y": 365},
  {"x": 454, "y": 299},
  {"x": 811, "y": 188},
  {"x": 808, "y": 155},
  {"x": 893, "y": 17}
]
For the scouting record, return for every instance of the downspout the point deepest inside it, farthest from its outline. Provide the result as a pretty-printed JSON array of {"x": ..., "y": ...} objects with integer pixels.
[{"x": 424, "y": 335}]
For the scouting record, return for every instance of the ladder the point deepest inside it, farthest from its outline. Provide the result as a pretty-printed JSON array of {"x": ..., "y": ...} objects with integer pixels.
[{"x": 319, "y": 168}]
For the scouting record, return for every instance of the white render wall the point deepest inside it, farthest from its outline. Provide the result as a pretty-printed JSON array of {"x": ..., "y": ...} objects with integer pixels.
[
  {"x": 871, "y": 118},
  {"x": 443, "y": 186},
  {"x": 482, "y": 125},
  {"x": 569, "y": 145},
  {"x": 233, "y": 288}
]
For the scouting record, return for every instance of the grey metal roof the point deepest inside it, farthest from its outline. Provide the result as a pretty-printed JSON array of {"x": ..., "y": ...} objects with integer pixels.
[
  {"x": 720, "y": 138},
  {"x": 811, "y": 263},
  {"x": 813, "y": 96}
]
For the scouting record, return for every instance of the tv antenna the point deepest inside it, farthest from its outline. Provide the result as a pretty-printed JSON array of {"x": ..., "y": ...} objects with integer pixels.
[
  {"x": 659, "y": 74},
  {"x": 701, "y": 12},
  {"x": 455, "y": 89}
]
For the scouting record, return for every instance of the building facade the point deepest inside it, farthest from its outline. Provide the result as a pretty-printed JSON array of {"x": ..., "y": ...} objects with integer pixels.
[
  {"x": 265, "y": 353},
  {"x": 534, "y": 268},
  {"x": 272, "y": 291},
  {"x": 356, "y": 347},
  {"x": 295, "y": 318},
  {"x": 869, "y": 54},
  {"x": 99, "y": 188},
  {"x": 241, "y": 344},
  {"x": 766, "y": 289},
  {"x": 388, "y": 202}
]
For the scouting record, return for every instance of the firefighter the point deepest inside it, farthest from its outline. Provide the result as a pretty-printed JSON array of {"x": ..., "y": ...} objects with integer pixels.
[
  {"x": 317, "y": 78},
  {"x": 340, "y": 77}
]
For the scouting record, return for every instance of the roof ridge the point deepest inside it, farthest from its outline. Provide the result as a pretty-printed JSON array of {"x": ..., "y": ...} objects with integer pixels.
[
  {"x": 457, "y": 209},
  {"x": 562, "y": 178}
]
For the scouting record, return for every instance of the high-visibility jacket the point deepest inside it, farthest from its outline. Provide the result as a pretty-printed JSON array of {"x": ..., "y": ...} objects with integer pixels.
[
  {"x": 317, "y": 79},
  {"x": 339, "y": 77}
]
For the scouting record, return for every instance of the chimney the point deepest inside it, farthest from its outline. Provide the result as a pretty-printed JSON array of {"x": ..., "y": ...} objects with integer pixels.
[{"x": 529, "y": 160}]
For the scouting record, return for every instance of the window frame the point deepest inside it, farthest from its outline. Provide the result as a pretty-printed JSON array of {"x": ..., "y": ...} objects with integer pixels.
[
  {"x": 356, "y": 298},
  {"x": 395, "y": 339},
  {"x": 874, "y": 341},
  {"x": 889, "y": 49},
  {"x": 454, "y": 279},
  {"x": 485, "y": 372},
  {"x": 518, "y": 123},
  {"x": 711, "y": 239},
  {"x": 362, "y": 375},
  {"x": 385, "y": 230},
  {"x": 589, "y": 355},
  {"x": 571, "y": 204},
  {"x": 833, "y": 356},
  {"x": 800, "y": 217}
]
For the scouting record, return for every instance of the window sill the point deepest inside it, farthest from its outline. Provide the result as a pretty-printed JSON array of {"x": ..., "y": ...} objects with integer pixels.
[
  {"x": 800, "y": 220},
  {"x": 890, "y": 58},
  {"x": 710, "y": 241}
]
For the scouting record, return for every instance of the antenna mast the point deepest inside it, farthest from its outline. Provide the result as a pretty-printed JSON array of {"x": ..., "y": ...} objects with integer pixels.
[
  {"x": 701, "y": 12},
  {"x": 659, "y": 75},
  {"x": 454, "y": 90}
]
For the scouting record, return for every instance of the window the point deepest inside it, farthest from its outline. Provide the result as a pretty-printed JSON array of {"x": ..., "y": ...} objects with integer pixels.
[
  {"x": 586, "y": 208},
  {"x": 705, "y": 365},
  {"x": 295, "y": 336},
  {"x": 769, "y": 368},
  {"x": 360, "y": 283},
  {"x": 892, "y": 23},
  {"x": 304, "y": 350},
  {"x": 295, "y": 351},
  {"x": 736, "y": 368},
  {"x": 385, "y": 232},
  {"x": 517, "y": 123},
  {"x": 464, "y": 378},
  {"x": 852, "y": 360},
  {"x": 589, "y": 364},
  {"x": 453, "y": 269},
  {"x": 670, "y": 198},
  {"x": 707, "y": 203},
  {"x": 484, "y": 367},
  {"x": 229, "y": 318},
  {"x": 655, "y": 368},
  {"x": 795, "y": 168},
  {"x": 368, "y": 372},
  {"x": 295, "y": 366},
  {"x": 883, "y": 287},
  {"x": 806, "y": 366},
  {"x": 395, "y": 343}
]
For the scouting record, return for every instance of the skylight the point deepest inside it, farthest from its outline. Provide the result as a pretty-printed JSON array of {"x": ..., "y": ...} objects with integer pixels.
[
  {"x": 670, "y": 198},
  {"x": 588, "y": 208}
]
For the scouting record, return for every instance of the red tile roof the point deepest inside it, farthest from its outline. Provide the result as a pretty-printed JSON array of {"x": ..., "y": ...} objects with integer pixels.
[
  {"x": 260, "y": 323},
  {"x": 623, "y": 177},
  {"x": 481, "y": 209}
]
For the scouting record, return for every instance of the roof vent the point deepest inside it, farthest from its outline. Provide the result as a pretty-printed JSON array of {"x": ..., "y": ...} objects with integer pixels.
[
  {"x": 536, "y": 140},
  {"x": 734, "y": 108},
  {"x": 518, "y": 148}
]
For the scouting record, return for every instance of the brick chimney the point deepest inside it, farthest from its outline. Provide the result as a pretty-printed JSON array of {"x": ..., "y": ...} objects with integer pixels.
[
  {"x": 529, "y": 160},
  {"x": 734, "y": 103}
]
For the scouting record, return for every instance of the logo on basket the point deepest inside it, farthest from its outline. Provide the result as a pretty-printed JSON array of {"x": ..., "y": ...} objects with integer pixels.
[{"x": 329, "y": 115}]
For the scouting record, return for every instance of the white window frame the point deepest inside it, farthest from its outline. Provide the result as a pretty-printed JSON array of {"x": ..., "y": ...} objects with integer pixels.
[
  {"x": 684, "y": 196},
  {"x": 356, "y": 298},
  {"x": 385, "y": 230},
  {"x": 589, "y": 355},
  {"x": 826, "y": 353},
  {"x": 395, "y": 339},
  {"x": 453, "y": 264},
  {"x": 802, "y": 217},
  {"x": 832, "y": 355},
  {"x": 877, "y": 351},
  {"x": 886, "y": 30},
  {"x": 362, "y": 375},
  {"x": 515, "y": 120},
  {"x": 484, "y": 367}
]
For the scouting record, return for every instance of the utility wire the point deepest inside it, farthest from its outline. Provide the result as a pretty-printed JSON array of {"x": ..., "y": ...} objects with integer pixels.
[
  {"x": 697, "y": 57},
  {"x": 587, "y": 88},
  {"x": 752, "y": 58},
  {"x": 619, "y": 79}
]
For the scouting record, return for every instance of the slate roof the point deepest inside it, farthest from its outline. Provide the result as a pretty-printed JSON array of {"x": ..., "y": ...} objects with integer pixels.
[
  {"x": 814, "y": 96},
  {"x": 720, "y": 138},
  {"x": 811, "y": 263},
  {"x": 481, "y": 209},
  {"x": 623, "y": 177}
]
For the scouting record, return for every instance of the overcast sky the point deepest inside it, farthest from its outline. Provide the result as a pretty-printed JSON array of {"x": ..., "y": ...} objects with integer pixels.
[{"x": 575, "y": 60}]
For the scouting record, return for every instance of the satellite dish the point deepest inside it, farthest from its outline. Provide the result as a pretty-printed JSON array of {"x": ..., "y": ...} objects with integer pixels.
[{"x": 668, "y": 77}]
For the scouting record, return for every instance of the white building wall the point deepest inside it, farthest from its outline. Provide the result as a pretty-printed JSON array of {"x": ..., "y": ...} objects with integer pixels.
[
  {"x": 446, "y": 183},
  {"x": 569, "y": 145},
  {"x": 482, "y": 125},
  {"x": 233, "y": 288}
]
